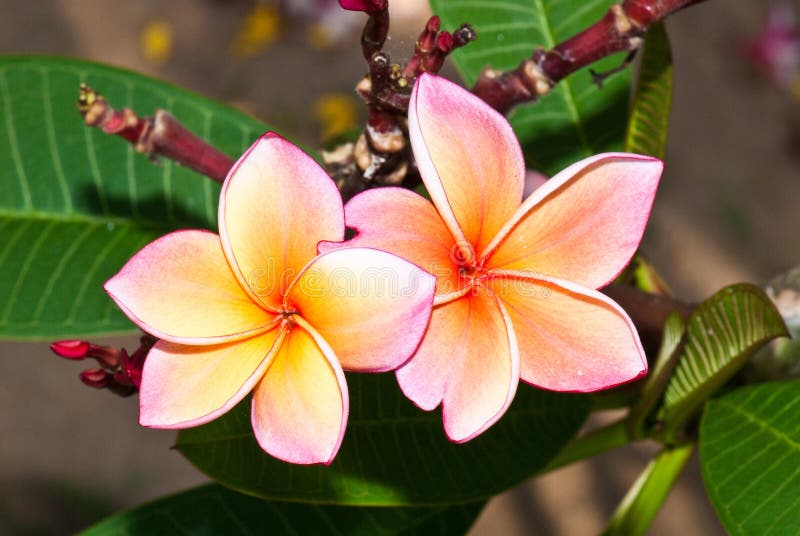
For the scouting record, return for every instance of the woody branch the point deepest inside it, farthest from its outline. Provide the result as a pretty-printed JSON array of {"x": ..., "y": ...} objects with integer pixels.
[
  {"x": 380, "y": 156},
  {"x": 621, "y": 29}
]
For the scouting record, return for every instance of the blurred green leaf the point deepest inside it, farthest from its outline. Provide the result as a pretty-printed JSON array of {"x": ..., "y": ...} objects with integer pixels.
[
  {"x": 77, "y": 203},
  {"x": 393, "y": 453},
  {"x": 577, "y": 119},
  {"x": 720, "y": 335},
  {"x": 213, "y": 509},
  {"x": 750, "y": 458},
  {"x": 652, "y": 101}
]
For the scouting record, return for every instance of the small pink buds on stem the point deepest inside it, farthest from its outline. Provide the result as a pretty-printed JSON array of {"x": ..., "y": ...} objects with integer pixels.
[
  {"x": 119, "y": 372},
  {"x": 380, "y": 157},
  {"x": 434, "y": 45},
  {"x": 160, "y": 135}
]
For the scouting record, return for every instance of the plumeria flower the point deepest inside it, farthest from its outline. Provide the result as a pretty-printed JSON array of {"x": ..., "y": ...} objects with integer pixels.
[
  {"x": 256, "y": 309},
  {"x": 515, "y": 292}
]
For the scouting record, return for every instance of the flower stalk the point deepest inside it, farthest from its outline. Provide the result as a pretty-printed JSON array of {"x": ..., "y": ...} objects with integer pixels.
[
  {"x": 622, "y": 28},
  {"x": 160, "y": 135},
  {"x": 118, "y": 371}
]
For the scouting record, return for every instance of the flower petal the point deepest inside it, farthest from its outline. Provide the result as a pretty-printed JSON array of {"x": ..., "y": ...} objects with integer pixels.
[
  {"x": 181, "y": 289},
  {"x": 406, "y": 224},
  {"x": 300, "y": 407},
  {"x": 468, "y": 157},
  {"x": 185, "y": 386},
  {"x": 468, "y": 360},
  {"x": 584, "y": 224},
  {"x": 570, "y": 338},
  {"x": 275, "y": 206},
  {"x": 370, "y": 306}
]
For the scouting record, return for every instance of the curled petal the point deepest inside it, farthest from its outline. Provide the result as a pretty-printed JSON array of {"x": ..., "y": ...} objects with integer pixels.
[
  {"x": 468, "y": 360},
  {"x": 181, "y": 289},
  {"x": 584, "y": 224},
  {"x": 468, "y": 157},
  {"x": 275, "y": 206},
  {"x": 570, "y": 338},
  {"x": 300, "y": 407},
  {"x": 370, "y": 306},
  {"x": 185, "y": 386},
  {"x": 406, "y": 224}
]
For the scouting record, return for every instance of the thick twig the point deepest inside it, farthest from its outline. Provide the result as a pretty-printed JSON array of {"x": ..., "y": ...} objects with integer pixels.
[
  {"x": 620, "y": 29},
  {"x": 160, "y": 135},
  {"x": 381, "y": 156}
]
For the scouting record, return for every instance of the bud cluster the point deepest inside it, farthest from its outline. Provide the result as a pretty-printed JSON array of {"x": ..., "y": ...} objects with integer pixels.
[{"x": 118, "y": 371}]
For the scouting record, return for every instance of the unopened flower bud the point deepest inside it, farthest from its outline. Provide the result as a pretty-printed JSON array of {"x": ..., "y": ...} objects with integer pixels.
[
  {"x": 95, "y": 377},
  {"x": 367, "y": 6},
  {"x": 71, "y": 349},
  {"x": 445, "y": 41}
]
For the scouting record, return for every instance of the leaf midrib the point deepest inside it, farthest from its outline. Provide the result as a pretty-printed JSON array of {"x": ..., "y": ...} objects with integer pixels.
[
  {"x": 91, "y": 219},
  {"x": 568, "y": 93}
]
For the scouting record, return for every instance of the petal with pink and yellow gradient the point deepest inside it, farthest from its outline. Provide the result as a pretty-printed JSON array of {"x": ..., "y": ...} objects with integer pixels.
[
  {"x": 301, "y": 405},
  {"x": 370, "y": 306},
  {"x": 180, "y": 288},
  {"x": 570, "y": 338},
  {"x": 404, "y": 223},
  {"x": 468, "y": 157},
  {"x": 584, "y": 224},
  {"x": 275, "y": 206},
  {"x": 468, "y": 361},
  {"x": 185, "y": 386}
]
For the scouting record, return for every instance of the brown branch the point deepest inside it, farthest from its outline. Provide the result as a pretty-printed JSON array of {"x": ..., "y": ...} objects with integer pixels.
[
  {"x": 160, "y": 135},
  {"x": 620, "y": 29},
  {"x": 648, "y": 311},
  {"x": 381, "y": 156}
]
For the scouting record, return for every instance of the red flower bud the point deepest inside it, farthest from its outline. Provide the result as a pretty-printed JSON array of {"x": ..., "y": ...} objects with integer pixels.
[
  {"x": 445, "y": 41},
  {"x": 367, "y": 6},
  {"x": 71, "y": 349},
  {"x": 95, "y": 377}
]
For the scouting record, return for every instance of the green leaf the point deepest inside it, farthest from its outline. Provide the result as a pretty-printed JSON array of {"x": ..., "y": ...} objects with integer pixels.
[
  {"x": 652, "y": 101},
  {"x": 393, "y": 453},
  {"x": 77, "y": 203},
  {"x": 213, "y": 509},
  {"x": 720, "y": 335},
  {"x": 643, "y": 501},
  {"x": 577, "y": 119},
  {"x": 750, "y": 458}
]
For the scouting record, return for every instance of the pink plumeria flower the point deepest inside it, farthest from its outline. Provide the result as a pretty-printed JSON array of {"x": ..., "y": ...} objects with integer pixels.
[
  {"x": 516, "y": 280},
  {"x": 256, "y": 309}
]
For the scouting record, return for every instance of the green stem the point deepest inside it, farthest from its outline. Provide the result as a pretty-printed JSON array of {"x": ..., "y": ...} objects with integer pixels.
[
  {"x": 596, "y": 442},
  {"x": 643, "y": 501}
]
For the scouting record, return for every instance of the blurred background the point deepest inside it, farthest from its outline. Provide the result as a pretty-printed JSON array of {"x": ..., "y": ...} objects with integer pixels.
[{"x": 727, "y": 211}]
